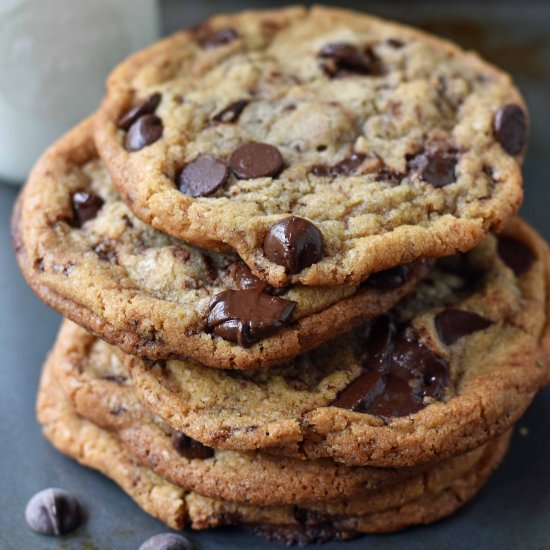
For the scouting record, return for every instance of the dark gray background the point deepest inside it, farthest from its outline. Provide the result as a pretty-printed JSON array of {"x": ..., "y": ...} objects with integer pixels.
[{"x": 512, "y": 511}]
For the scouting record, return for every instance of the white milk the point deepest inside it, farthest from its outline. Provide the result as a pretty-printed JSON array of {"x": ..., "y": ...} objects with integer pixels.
[{"x": 54, "y": 58}]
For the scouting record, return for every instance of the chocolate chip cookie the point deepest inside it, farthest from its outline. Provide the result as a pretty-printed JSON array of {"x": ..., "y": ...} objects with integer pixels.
[
  {"x": 321, "y": 145},
  {"x": 99, "y": 389},
  {"x": 86, "y": 255},
  {"x": 452, "y": 366},
  {"x": 437, "y": 494}
]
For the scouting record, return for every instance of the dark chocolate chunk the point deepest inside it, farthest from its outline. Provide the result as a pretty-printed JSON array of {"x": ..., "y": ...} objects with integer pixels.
[
  {"x": 247, "y": 315},
  {"x": 244, "y": 278},
  {"x": 395, "y": 43},
  {"x": 232, "y": 112},
  {"x": 400, "y": 372},
  {"x": 256, "y": 160},
  {"x": 389, "y": 279},
  {"x": 167, "y": 541},
  {"x": 516, "y": 255},
  {"x": 53, "y": 512},
  {"x": 437, "y": 168},
  {"x": 144, "y": 131},
  {"x": 295, "y": 243},
  {"x": 388, "y": 175},
  {"x": 85, "y": 206},
  {"x": 146, "y": 107},
  {"x": 510, "y": 128},
  {"x": 342, "y": 59},
  {"x": 189, "y": 448},
  {"x": 345, "y": 167},
  {"x": 221, "y": 37},
  {"x": 453, "y": 324},
  {"x": 203, "y": 176}
]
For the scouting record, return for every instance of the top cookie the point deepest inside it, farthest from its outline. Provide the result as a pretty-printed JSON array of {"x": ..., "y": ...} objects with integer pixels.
[{"x": 321, "y": 145}]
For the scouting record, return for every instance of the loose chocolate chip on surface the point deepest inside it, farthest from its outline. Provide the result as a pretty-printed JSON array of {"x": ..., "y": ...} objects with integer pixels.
[
  {"x": 85, "y": 206},
  {"x": 203, "y": 176},
  {"x": 436, "y": 168},
  {"x": 146, "y": 107},
  {"x": 515, "y": 255},
  {"x": 342, "y": 59},
  {"x": 256, "y": 160},
  {"x": 453, "y": 324},
  {"x": 295, "y": 243},
  {"x": 345, "y": 167},
  {"x": 510, "y": 128},
  {"x": 389, "y": 279},
  {"x": 146, "y": 130},
  {"x": 167, "y": 541},
  {"x": 217, "y": 38},
  {"x": 247, "y": 315},
  {"x": 232, "y": 112},
  {"x": 189, "y": 448},
  {"x": 53, "y": 512},
  {"x": 399, "y": 373}
]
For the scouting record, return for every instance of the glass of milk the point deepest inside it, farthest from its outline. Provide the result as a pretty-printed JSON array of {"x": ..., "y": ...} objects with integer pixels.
[{"x": 54, "y": 58}]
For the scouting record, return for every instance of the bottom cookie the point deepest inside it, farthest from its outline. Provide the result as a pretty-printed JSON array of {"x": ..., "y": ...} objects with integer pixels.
[{"x": 177, "y": 507}]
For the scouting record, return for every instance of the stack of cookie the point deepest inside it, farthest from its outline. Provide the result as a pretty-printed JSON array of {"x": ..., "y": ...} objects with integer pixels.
[{"x": 364, "y": 320}]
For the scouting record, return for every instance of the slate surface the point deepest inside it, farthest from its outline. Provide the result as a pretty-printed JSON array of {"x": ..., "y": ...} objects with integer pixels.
[{"x": 512, "y": 511}]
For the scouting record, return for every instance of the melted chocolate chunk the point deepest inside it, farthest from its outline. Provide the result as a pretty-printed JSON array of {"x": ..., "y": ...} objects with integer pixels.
[
  {"x": 53, "y": 512},
  {"x": 342, "y": 59},
  {"x": 389, "y": 279},
  {"x": 345, "y": 167},
  {"x": 167, "y": 541},
  {"x": 294, "y": 243},
  {"x": 256, "y": 160},
  {"x": 217, "y": 38},
  {"x": 453, "y": 324},
  {"x": 400, "y": 372},
  {"x": 247, "y": 315},
  {"x": 437, "y": 168},
  {"x": 146, "y": 107},
  {"x": 189, "y": 448},
  {"x": 510, "y": 128},
  {"x": 145, "y": 131},
  {"x": 515, "y": 255},
  {"x": 203, "y": 176},
  {"x": 232, "y": 112},
  {"x": 85, "y": 206}
]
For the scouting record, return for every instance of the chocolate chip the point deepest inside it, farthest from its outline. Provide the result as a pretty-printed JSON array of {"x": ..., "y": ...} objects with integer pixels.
[
  {"x": 244, "y": 278},
  {"x": 167, "y": 541},
  {"x": 232, "y": 112},
  {"x": 387, "y": 175},
  {"x": 453, "y": 324},
  {"x": 115, "y": 378},
  {"x": 515, "y": 255},
  {"x": 217, "y": 38},
  {"x": 345, "y": 167},
  {"x": 294, "y": 243},
  {"x": 342, "y": 59},
  {"x": 146, "y": 130},
  {"x": 256, "y": 160},
  {"x": 395, "y": 43},
  {"x": 437, "y": 168},
  {"x": 247, "y": 315},
  {"x": 389, "y": 279},
  {"x": 399, "y": 373},
  {"x": 189, "y": 448},
  {"x": 53, "y": 512},
  {"x": 146, "y": 107},
  {"x": 203, "y": 176},
  {"x": 85, "y": 206},
  {"x": 510, "y": 128}
]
